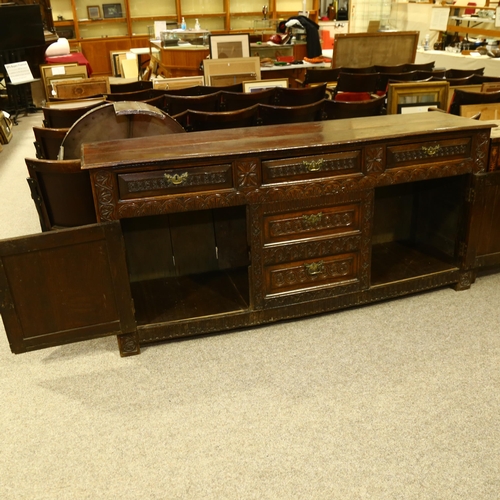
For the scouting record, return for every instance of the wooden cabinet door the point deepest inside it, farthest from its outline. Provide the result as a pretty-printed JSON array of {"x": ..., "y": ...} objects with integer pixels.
[
  {"x": 485, "y": 220},
  {"x": 66, "y": 286}
]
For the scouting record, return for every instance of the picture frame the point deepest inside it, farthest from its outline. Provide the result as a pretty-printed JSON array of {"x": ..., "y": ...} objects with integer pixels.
[
  {"x": 230, "y": 71},
  {"x": 229, "y": 46},
  {"x": 112, "y": 10},
  {"x": 417, "y": 97},
  {"x": 180, "y": 82},
  {"x": 258, "y": 85},
  {"x": 52, "y": 73},
  {"x": 116, "y": 56},
  {"x": 5, "y": 129},
  {"x": 94, "y": 11}
]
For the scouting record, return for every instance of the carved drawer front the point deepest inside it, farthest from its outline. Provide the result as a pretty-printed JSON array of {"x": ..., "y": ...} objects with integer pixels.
[
  {"x": 332, "y": 270},
  {"x": 299, "y": 225},
  {"x": 429, "y": 151},
  {"x": 172, "y": 181},
  {"x": 311, "y": 167}
]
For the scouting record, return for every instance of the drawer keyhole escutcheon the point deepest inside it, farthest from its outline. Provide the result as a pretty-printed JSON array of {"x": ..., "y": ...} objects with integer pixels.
[
  {"x": 176, "y": 179},
  {"x": 313, "y": 220},
  {"x": 431, "y": 150},
  {"x": 314, "y": 268},
  {"x": 313, "y": 166}
]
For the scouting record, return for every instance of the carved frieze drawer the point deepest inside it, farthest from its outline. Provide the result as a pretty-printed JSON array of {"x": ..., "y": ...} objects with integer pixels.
[
  {"x": 312, "y": 223},
  {"x": 312, "y": 167},
  {"x": 172, "y": 181},
  {"x": 332, "y": 270},
  {"x": 429, "y": 151}
]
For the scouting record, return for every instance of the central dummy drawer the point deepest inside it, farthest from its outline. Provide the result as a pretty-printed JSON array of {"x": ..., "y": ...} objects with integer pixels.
[
  {"x": 312, "y": 223},
  {"x": 173, "y": 181},
  {"x": 312, "y": 167}
]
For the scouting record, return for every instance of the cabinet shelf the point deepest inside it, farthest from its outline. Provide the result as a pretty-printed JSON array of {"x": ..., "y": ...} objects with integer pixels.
[{"x": 194, "y": 296}]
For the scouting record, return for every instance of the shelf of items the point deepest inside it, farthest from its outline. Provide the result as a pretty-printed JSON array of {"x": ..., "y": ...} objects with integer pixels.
[
  {"x": 478, "y": 23},
  {"x": 133, "y": 25}
]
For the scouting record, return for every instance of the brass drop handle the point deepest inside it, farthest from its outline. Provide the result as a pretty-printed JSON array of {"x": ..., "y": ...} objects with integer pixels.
[
  {"x": 314, "y": 165},
  {"x": 315, "y": 268},
  {"x": 176, "y": 179},
  {"x": 431, "y": 150},
  {"x": 313, "y": 219}
]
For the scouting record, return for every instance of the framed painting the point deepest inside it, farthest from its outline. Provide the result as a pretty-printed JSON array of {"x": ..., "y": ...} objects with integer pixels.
[
  {"x": 5, "y": 129},
  {"x": 256, "y": 85},
  {"x": 229, "y": 46},
  {"x": 111, "y": 10},
  {"x": 94, "y": 11},
  {"x": 52, "y": 73},
  {"x": 180, "y": 82},
  {"x": 416, "y": 97},
  {"x": 223, "y": 72}
]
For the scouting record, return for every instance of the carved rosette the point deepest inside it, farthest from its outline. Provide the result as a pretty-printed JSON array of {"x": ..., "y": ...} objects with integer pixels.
[
  {"x": 103, "y": 188},
  {"x": 247, "y": 173},
  {"x": 374, "y": 157}
]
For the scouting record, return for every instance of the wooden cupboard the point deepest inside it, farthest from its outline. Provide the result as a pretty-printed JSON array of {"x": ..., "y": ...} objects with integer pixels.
[{"x": 211, "y": 231}]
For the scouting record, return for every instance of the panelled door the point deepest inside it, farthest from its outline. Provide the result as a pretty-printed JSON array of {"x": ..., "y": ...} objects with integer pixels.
[{"x": 66, "y": 286}]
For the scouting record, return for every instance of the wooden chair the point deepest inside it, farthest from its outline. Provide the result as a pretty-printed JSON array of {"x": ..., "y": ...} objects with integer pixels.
[
  {"x": 232, "y": 101},
  {"x": 461, "y": 73},
  {"x": 363, "y": 69},
  {"x": 410, "y": 76},
  {"x": 202, "y": 120},
  {"x": 463, "y": 97},
  {"x": 476, "y": 79},
  {"x": 455, "y": 82},
  {"x": 62, "y": 193},
  {"x": 436, "y": 74},
  {"x": 272, "y": 115},
  {"x": 397, "y": 68},
  {"x": 333, "y": 110},
  {"x": 158, "y": 101},
  {"x": 420, "y": 66},
  {"x": 284, "y": 96},
  {"x": 356, "y": 86},
  {"x": 138, "y": 95},
  {"x": 65, "y": 117},
  {"x": 120, "y": 88},
  {"x": 175, "y": 104},
  {"x": 48, "y": 141},
  {"x": 316, "y": 76},
  {"x": 210, "y": 89}
]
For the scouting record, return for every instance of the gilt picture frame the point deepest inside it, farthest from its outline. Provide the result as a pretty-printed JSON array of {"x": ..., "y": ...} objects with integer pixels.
[{"x": 417, "y": 97}]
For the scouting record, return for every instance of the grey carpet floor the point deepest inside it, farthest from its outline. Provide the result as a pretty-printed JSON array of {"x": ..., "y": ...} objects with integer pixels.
[{"x": 397, "y": 400}]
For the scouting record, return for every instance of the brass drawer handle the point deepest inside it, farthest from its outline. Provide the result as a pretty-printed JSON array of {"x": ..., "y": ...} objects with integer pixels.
[
  {"x": 431, "y": 150},
  {"x": 315, "y": 268},
  {"x": 176, "y": 179},
  {"x": 313, "y": 166},
  {"x": 313, "y": 220}
]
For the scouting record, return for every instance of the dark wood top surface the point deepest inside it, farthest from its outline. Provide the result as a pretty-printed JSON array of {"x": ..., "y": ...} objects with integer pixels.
[{"x": 223, "y": 144}]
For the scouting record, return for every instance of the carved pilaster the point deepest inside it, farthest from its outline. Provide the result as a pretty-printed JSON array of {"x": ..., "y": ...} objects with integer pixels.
[
  {"x": 103, "y": 191},
  {"x": 481, "y": 152}
]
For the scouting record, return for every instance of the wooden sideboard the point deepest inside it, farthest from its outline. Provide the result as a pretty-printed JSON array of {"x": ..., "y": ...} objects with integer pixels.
[{"x": 211, "y": 231}]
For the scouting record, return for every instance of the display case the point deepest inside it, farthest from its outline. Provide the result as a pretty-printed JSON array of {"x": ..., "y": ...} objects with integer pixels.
[{"x": 96, "y": 29}]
